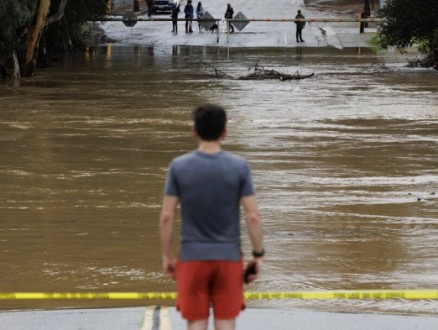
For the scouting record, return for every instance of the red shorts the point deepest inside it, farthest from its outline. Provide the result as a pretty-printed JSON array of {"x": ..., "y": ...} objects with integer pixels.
[{"x": 200, "y": 283}]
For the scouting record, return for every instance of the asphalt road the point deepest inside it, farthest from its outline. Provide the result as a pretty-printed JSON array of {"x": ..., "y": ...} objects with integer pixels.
[{"x": 163, "y": 318}]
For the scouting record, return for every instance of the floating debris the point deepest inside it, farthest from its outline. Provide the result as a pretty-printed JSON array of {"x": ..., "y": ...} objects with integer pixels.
[{"x": 260, "y": 73}]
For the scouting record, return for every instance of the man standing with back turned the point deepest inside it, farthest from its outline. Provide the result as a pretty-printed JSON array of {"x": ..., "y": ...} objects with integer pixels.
[{"x": 210, "y": 184}]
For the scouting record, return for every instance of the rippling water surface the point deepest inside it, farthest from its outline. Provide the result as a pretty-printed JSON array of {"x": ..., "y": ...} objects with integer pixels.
[{"x": 345, "y": 165}]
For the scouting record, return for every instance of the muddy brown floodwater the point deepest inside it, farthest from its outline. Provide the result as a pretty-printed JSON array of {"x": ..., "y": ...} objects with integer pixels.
[{"x": 345, "y": 165}]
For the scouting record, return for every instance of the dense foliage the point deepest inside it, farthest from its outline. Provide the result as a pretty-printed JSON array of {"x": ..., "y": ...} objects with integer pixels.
[
  {"x": 408, "y": 22},
  {"x": 66, "y": 34},
  {"x": 26, "y": 24},
  {"x": 14, "y": 17}
]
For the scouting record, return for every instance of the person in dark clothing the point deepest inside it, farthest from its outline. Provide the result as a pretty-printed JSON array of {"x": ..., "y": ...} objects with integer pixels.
[
  {"x": 189, "y": 11},
  {"x": 300, "y": 26},
  {"x": 174, "y": 15},
  {"x": 151, "y": 5},
  {"x": 229, "y": 13}
]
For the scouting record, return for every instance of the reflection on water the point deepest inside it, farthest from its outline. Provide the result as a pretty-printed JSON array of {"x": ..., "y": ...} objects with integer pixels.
[{"x": 345, "y": 166}]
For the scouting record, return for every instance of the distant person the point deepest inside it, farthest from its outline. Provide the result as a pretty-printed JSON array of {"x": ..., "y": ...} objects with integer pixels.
[
  {"x": 174, "y": 15},
  {"x": 210, "y": 185},
  {"x": 229, "y": 13},
  {"x": 300, "y": 26},
  {"x": 188, "y": 11},
  {"x": 199, "y": 13},
  {"x": 151, "y": 6}
]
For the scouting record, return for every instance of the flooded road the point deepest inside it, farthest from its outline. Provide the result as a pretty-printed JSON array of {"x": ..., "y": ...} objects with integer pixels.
[{"x": 345, "y": 166}]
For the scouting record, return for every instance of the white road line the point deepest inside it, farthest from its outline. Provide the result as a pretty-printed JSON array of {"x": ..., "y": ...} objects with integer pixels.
[
  {"x": 148, "y": 319},
  {"x": 165, "y": 323}
]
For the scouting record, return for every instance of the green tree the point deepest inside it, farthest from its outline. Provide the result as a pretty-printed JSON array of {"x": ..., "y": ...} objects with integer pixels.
[
  {"x": 67, "y": 34},
  {"x": 408, "y": 22},
  {"x": 14, "y": 17},
  {"x": 25, "y": 24}
]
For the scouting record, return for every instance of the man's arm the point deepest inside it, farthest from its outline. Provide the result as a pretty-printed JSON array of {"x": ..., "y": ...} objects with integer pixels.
[
  {"x": 167, "y": 220},
  {"x": 254, "y": 225}
]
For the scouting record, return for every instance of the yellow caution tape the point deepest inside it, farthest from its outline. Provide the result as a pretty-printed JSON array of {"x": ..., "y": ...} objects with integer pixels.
[
  {"x": 337, "y": 294},
  {"x": 86, "y": 295},
  {"x": 349, "y": 294}
]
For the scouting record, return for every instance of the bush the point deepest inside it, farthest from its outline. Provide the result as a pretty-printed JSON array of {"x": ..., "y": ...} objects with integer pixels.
[{"x": 406, "y": 22}]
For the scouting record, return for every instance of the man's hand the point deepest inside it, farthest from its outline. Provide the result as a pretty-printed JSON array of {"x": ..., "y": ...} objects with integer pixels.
[
  {"x": 252, "y": 276},
  {"x": 169, "y": 267}
]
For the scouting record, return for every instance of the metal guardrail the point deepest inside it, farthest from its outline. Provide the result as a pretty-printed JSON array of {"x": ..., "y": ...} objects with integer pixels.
[
  {"x": 130, "y": 19},
  {"x": 316, "y": 19}
]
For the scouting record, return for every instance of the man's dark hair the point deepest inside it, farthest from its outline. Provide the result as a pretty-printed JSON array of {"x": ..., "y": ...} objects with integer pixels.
[{"x": 210, "y": 121}]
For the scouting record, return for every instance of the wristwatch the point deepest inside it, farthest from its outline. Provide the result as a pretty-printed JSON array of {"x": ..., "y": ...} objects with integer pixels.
[{"x": 260, "y": 254}]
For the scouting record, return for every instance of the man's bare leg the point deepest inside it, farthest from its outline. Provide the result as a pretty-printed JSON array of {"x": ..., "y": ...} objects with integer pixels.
[
  {"x": 224, "y": 324},
  {"x": 197, "y": 325}
]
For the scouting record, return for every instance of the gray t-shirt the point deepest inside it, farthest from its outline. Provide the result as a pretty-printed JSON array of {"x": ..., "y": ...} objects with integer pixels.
[{"x": 209, "y": 187}]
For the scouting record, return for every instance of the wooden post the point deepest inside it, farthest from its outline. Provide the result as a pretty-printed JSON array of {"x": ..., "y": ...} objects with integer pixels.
[
  {"x": 109, "y": 7},
  {"x": 217, "y": 31}
]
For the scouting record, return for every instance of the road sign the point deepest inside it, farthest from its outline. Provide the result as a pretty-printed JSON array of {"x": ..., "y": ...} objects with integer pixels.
[
  {"x": 242, "y": 21},
  {"x": 207, "y": 21},
  {"x": 130, "y": 19}
]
